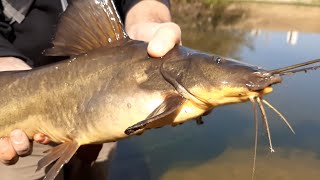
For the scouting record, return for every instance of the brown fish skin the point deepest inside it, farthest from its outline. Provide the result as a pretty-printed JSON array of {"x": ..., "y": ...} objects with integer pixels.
[
  {"x": 94, "y": 97},
  {"x": 62, "y": 100},
  {"x": 111, "y": 88}
]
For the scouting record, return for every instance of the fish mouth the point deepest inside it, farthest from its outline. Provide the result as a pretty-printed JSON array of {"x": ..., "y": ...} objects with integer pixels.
[{"x": 262, "y": 81}]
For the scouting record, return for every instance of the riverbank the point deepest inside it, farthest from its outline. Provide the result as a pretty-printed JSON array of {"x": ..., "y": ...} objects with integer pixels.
[
  {"x": 245, "y": 15},
  {"x": 295, "y": 2}
]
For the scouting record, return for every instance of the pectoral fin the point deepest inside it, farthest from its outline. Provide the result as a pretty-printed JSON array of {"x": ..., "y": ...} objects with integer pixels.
[
  {"x": 61, "y": 154},
  {"x": 168, "y": 106},
  {"x": 199, "y": 120}
]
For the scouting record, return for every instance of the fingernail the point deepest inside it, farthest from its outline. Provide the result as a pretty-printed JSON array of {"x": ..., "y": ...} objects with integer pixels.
[
  {"x": 41, "y": 138},
  {"x": 20, "y": 142},
  {"x": 17, "y": 136}
]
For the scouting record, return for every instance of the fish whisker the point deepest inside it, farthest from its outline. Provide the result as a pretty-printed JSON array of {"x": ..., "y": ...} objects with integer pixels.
[
  {"x": 281, "y": 116},
  {"x": 280, "y": 70},
  {"x": 265, "y": 119},
  {"x": 299, "y": 70},
  {"x": 252, "y": 100}
]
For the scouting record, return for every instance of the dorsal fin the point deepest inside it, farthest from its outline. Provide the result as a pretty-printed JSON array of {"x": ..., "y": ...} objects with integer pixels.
[{"x": 87, "y": 25}]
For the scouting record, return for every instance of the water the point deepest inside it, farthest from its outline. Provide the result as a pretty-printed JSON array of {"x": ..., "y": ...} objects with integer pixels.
[{"x": 222, "y": 148}]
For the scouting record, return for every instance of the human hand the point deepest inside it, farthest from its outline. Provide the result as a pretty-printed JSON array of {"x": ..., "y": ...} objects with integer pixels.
[
  {"x": 12, "y": 64},
  {"x": 17, "y": 144},
  {"x": 150, "y": 21},
  {"x": 162, "y": 37}
]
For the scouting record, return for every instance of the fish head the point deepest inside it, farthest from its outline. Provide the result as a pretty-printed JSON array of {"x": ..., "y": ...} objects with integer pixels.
[{"x": 216, "y": 80}]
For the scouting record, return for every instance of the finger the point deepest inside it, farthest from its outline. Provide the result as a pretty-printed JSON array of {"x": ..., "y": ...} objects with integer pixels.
[
  {"x": 20, "y": 142},
  {"x": 165, "y": 38},
  {"x": 7, "y": 153},
  {"x": 41, "y": 138}
]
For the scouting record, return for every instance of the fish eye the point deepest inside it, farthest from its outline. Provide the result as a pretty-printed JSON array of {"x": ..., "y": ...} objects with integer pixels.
[{"x": 218, "y": 60}]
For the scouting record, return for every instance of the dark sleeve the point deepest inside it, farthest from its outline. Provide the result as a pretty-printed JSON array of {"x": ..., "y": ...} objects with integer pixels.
[
  {"x": 7, "y": 35},
  {"x": 123, "y": 6},
  {"x": 34, "y": 34}
]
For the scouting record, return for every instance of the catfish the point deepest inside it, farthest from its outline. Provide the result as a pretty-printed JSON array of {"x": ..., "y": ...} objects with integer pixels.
[{"x": 110, "y": 88}]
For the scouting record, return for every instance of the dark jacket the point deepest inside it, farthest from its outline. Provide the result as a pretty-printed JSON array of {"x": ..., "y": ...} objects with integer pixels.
[{"x": 30, "y": 38}]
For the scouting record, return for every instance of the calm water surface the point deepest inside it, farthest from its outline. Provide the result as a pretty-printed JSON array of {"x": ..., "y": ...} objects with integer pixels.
[{"x": 222, "y": 148}]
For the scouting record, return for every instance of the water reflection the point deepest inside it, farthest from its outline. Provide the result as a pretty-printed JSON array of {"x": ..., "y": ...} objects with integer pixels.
[
  {"x": 224, "y": 43},
  {"x": 286, "y": 164},
  {"x": 222, "y": 148},
  {"x": 292, "y": 36}
]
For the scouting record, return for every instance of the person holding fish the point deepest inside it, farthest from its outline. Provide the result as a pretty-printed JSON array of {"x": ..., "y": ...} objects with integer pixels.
[{"x": 27, "y": 27}]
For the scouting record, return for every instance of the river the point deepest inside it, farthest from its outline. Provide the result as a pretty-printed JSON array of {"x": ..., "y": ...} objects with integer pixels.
[{"x": 222, "y": 148}]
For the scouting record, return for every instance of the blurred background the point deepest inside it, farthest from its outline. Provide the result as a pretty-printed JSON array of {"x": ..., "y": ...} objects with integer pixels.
[{"x": 271, "y": 34}]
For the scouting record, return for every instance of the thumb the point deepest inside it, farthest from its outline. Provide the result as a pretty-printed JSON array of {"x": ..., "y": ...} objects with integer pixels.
[{"x": 164, "y": 39}]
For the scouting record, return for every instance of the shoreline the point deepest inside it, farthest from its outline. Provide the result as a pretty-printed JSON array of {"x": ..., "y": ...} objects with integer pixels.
[{"x": 247, "y": 16}]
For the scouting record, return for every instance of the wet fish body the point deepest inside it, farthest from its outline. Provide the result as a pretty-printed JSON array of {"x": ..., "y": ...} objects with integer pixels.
[
  {"x": 90, "y": 92},
  {"x": 111, "y": 88},
  {"x": 77, "y": 87}
]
